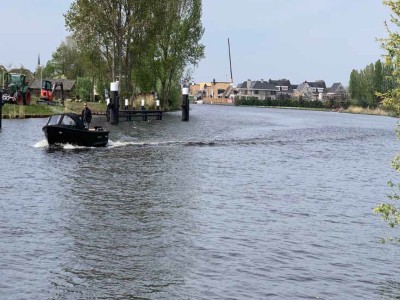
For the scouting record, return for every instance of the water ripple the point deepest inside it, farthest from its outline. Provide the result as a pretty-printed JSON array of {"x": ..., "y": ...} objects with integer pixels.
[{"x": 238, "y": 203}]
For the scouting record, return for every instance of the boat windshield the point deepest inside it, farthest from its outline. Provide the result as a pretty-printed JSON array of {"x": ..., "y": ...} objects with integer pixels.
[
  {"x": 67, "y": 120},
  {"x": 53, "y": 120}
]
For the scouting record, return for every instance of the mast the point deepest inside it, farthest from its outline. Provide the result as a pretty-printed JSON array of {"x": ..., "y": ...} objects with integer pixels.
[{"x": 230, "y": 61}]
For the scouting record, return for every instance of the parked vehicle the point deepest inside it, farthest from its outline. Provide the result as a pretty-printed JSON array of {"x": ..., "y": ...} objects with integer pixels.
[{"x": 15, "y": 89}]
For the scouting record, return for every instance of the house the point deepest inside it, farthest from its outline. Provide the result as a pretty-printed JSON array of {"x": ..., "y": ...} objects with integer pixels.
[
  {"x": 336, "y": 91},
  {"x": 259, "y": 89},
  {"x": 213, "y": 90},
  {"x": 311, "y": 90},
  {"x": 68, "y": 87},
  {"x": 285, "y": 88}
]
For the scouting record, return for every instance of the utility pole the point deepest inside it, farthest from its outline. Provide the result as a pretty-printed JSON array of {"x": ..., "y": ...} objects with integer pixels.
[{"x": 230, "y": 60}]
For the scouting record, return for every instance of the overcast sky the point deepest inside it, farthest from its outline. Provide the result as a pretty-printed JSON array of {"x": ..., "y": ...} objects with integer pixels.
[{"x": 270, "y": 39}]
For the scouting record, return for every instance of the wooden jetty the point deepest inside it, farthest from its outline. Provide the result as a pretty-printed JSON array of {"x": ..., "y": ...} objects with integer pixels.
[{"x": 130, "y": 114}]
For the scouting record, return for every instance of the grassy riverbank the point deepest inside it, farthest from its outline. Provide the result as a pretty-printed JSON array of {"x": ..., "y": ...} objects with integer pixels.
[
  {"x": 35, "y": 110},
  {"x": 351, "y": 110},
  {"x": 369, "y": 111}
]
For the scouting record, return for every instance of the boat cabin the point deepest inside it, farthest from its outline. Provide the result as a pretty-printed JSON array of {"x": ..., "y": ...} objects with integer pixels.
[{"x": 69, "y": 120}]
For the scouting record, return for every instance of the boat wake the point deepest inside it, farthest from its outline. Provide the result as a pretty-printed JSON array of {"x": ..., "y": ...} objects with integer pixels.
[
  {"x": 117, "y": 144},
  {"x": 41, "y": 144},
  {"x": 44, "y": 144}
]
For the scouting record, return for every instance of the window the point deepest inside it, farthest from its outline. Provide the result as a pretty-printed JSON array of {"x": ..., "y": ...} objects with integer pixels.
[
  {"x": 67, "y": 120},
  {"x": 53, "y": 120}
]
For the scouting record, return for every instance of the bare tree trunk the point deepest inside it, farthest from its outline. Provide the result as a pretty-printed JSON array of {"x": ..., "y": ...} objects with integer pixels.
[
  {"x": 164, "y": 96},
  {"x": 119, "y": 47}
]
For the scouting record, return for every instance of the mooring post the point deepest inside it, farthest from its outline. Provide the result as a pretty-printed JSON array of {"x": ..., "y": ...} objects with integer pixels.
[
  {"x": 185, "y": 104},
  {"x": 158, "y": 109},
  {"x": 144, "y": 113},
  {"x": 108, "y": 109},
  {"x": 114, "y": 107},
  {"x": 128, "y": 116},
  {"x": 142, "y": 106}
]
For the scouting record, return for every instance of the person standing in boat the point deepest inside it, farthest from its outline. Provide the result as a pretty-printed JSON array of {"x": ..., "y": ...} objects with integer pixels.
[{"x": 86, "y": 115}]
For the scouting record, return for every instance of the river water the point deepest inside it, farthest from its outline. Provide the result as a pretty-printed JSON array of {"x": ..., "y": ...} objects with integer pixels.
[{"x": 237, "y": 203}]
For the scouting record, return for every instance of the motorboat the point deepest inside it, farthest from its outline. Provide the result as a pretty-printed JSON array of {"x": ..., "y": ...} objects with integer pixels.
[{"x": 68, "y": 128}]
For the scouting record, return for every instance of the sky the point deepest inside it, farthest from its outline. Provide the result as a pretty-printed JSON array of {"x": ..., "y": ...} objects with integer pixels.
[{"x": 299, "y": 40}]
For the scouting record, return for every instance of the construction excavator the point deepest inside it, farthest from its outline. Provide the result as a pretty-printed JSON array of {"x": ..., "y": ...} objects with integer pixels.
[{"x": 48, "y": 90}]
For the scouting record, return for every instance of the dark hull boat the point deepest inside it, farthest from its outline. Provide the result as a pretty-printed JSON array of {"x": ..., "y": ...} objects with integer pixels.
[{"x": 69, "y": 129}]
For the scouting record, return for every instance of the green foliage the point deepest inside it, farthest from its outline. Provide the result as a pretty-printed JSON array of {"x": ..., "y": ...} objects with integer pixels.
[
  {"x": 366, "y": 86},
  {"x": 101, "y": 86},
  {"x": 390, "y": 212},
  {"x": 391, "y": 45},
  {"x": 175, "y": 98},
  {"x": 84, "y": 88},
  {"x": 138, "y": 42},
  {"x": 177, "y": 43},
  {"x": 66, "y": 62}
]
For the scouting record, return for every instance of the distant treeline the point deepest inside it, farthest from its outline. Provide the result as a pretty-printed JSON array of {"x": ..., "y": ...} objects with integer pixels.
[{"x": 367, "y": 85}]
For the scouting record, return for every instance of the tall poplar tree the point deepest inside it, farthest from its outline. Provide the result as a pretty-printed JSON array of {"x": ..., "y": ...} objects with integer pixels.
[
  {"x": 178, "y": 42},
  {"x": 354, "y": 84}
]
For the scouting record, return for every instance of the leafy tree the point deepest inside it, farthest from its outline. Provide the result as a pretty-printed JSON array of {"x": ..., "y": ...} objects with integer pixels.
[
  {"x": 109, "y": 30},
  {"x": 66, "y": 61},
  {"x": 84, "y": 88},
  {"x": 353, "y": 84},
  {"x": 378, "y": 81},
  {"x": 178, "y": 42},
  {"x": 392, "y": 56},
  {"x": 366, "y": 85},
  {"x": 390, "y": 212},
  {"x": 142, "y": 42},
  {"x": 378, "y": 77}
]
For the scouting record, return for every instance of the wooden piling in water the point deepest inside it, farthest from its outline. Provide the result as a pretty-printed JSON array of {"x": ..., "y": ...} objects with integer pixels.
[{"x": 185, "y": 104}]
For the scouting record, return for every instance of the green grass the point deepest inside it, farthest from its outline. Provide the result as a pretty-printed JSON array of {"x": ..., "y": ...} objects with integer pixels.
[{"x": 42, "y": 110}]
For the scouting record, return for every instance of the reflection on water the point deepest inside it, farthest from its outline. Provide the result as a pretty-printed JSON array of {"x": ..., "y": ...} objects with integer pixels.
[{"x": 237, "y": 203}]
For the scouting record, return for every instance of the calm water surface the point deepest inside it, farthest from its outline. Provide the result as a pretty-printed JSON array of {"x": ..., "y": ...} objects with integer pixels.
[{"x": 238, "y": 203}]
